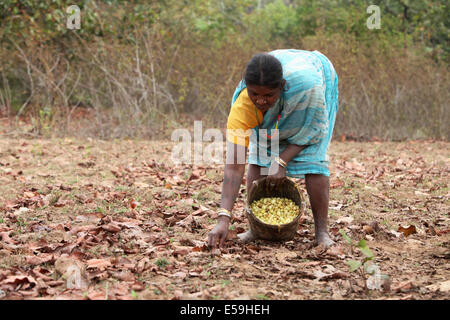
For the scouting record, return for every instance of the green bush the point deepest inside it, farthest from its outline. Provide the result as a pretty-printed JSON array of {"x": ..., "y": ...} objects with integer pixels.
[{"x": 151, "y": 64}]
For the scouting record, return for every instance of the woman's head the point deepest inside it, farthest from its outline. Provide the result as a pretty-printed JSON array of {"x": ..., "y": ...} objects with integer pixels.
[
  {"x": 264, "y": 80},
  {"x": 264, "y": 70}
]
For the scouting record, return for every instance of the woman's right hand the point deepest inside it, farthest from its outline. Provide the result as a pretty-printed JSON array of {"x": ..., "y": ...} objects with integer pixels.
[{"x": 219, "y": 233}]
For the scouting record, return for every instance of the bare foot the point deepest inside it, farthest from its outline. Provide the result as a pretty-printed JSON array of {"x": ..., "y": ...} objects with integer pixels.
[
  {"x": 246, "y": 236},
  {"x": 324, "y": 240}
]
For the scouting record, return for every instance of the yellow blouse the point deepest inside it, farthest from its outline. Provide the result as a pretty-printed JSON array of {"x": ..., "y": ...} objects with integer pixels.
[{"x": 242, "y": 119}]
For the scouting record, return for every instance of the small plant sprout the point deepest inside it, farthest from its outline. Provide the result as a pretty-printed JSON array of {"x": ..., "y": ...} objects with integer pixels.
[
  {"x": 162, "y": 263},
  {"x": 375, "y": 280}
]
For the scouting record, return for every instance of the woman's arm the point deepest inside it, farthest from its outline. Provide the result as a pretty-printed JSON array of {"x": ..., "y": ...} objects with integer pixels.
[
  {"x": 277, "y": 172},
  {"x": 290, "y": 152},
  {"x": 234, "y": 172},
  {"x": 231, "y": 183}
]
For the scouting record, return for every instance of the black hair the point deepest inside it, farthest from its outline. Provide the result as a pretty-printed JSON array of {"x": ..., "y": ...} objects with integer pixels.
[{"x": 264, "y": 70}]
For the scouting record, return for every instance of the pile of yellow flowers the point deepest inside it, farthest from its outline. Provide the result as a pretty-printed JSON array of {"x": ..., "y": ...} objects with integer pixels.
[{"x": 275, "y": 211}]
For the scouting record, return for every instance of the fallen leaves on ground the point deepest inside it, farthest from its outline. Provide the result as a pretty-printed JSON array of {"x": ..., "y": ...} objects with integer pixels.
[{"x": 123, "y": 222}]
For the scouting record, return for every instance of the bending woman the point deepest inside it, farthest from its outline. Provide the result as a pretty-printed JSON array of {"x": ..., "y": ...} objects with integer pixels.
[{"x": 283, "y": 112}]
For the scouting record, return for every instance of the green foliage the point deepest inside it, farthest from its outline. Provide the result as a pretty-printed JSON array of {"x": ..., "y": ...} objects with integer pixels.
[
  {"x": 206, "y": 21},
  {"x": 274, "y": 21},
  {"x": 422, "y": 21},
  {"x": 354, "y": 265},
  {"x": 346, "y": 237},
  {"x": 366, "y": 265},
  {"x": 365, "y": 250},
  {"x": 191, "y": 53},
  {"x": 261, "y": 296},
  {"x": 43, "y": 20}
]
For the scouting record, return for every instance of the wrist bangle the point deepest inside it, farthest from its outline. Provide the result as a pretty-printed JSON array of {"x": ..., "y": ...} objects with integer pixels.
[
  {"x": 224, "y": 212},
  {"x": 281, "y": 162}
]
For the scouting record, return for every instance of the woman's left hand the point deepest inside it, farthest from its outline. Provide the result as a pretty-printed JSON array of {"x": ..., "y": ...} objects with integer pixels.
[{"x": 277, "y": 174}]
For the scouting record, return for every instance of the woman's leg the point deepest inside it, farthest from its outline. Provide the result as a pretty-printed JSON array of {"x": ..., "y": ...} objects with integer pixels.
[{"x": 318, "y": 188}]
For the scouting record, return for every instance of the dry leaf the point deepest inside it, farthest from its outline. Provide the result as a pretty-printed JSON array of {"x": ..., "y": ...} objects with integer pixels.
[
  {"x": 20, "y": 282},
  {"x": 39, "y": 274},
  {"x": 94, "y": 217},
  {"x": 181, "y": 251},
  {"x": 285, "y": 254},
  {"x": 336, "y": 251},
  {"x": 232, "y": 234},
  {"x": 368, "y": 229},
  {"x": 29, "y": 194},
  {"x": 88, "y": 164},
  {"x": 253, "y": 247},
  {"x": 345, "y": 220},
  {"x": 63, "y": 263},
  {"x": 441, "y": 232},
  {"x": 142, "y": 265},
  {"x": 133, "y": 204},
  {"x": 403, "y": 286},
  {"x": 202, "y": 248},
  {"x": 100, "y": 264},
  {"x": 96, "y": 295},
  {"x": 138, "y": 286},
  {"x": 37, "y": 260},
  {"x": 168, "y": 186},
  {"x": 111, "y": 227},
  {"x": 124, "y": 276},
  {"x": 5, "y": 237},
  {"x": 180, "y": 274},
  {"x": 142, "y": 185},
  {"x": 177, "y": 295},
  {"x": 337, "y": 183},
  {"x": 442, "y": 286},
  {"x": 407, "y": 230}
]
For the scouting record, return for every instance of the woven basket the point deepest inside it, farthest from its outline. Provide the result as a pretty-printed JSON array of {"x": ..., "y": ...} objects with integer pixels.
[{"x": 262, "y": 189}]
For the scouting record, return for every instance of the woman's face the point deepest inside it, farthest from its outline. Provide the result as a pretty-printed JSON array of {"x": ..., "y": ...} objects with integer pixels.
[{"x": 263, "y": 97}]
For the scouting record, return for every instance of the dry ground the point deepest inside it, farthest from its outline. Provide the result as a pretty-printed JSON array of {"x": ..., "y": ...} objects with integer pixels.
[{"x": 88, "y": 219}]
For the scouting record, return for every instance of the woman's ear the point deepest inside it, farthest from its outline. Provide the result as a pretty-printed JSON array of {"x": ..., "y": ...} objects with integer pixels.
[{"x": 283, "y": 84}]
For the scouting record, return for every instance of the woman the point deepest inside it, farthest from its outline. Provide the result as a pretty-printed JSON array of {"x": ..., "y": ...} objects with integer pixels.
[{"x": 293, "y": 94}]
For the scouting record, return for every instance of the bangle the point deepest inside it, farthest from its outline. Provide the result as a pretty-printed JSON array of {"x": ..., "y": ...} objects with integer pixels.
[
  {"x": 224, "y": 212},
  {"x": 281, "y": 162}
]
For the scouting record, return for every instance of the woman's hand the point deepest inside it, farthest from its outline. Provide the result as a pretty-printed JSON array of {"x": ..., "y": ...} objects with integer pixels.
[
  {"x": 219, "y": 233},
  {"x": 277, "y": 174}
]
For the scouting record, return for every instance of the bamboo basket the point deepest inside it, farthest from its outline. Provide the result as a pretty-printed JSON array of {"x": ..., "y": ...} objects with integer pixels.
[{"x": 262, "y": 189}]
